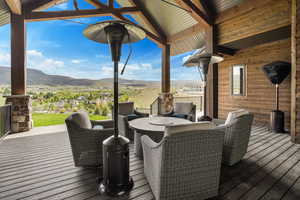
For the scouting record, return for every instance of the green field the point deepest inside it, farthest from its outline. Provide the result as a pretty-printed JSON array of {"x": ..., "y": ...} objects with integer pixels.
[
  {"x": 2, "y": 100},
  {"x": 145, "y": 98},
  {"x": 48, "y": 119}
]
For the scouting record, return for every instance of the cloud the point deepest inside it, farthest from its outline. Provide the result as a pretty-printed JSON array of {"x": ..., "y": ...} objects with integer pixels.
[
  {"x": 37, "y": 60},
  {"x": 143, "y": 71},
  {"x": 34, "y": 53},
  {"x": 4, "y": 59},
  {"x": 52, "y": 63},
  {"x": 77, "y": 61}
]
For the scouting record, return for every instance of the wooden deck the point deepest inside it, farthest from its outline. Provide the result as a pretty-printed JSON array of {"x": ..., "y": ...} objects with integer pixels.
[{"x": 41, "y": 167}]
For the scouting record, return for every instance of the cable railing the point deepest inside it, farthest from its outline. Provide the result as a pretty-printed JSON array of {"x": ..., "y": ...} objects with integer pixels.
[{"x": 5, "y": 120}]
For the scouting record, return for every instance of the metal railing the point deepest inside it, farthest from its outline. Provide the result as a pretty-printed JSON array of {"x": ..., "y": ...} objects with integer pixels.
[
  {"x": 5, "y": 120},
  {"x": 155, "y": 107}
]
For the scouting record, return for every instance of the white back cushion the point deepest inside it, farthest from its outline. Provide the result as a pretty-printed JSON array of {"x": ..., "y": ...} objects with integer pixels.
[
  {"x": 234, "y": 114},
  {"x": 126, "y": 108},
  {"x": 174, "y": 129},
  {"x": 183, "y": 107},
  {"x": 82, "y": 120}
]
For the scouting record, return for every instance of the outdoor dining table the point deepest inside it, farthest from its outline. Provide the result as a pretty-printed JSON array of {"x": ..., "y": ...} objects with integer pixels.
[{"x": 154, "y": 127}]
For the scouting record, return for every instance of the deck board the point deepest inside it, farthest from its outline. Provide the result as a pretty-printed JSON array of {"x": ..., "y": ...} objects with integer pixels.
[{"x": 41, "y": 167}]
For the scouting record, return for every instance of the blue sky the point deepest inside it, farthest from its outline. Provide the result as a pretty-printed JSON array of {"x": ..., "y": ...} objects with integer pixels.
[{"x": 59, "y": 47}]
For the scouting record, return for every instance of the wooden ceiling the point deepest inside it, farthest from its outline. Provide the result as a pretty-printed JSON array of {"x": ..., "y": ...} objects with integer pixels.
[{"x": 201, "y": 15}]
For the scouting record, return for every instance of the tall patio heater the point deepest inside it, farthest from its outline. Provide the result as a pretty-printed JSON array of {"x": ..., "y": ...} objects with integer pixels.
[
  {"x": 202, "y": 60},
  {"x": 116, "y": 179},
  {"x": 276, "y": 72}
]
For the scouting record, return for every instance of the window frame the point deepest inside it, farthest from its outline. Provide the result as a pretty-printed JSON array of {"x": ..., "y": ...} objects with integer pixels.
[{"x": 244, "y": 92}]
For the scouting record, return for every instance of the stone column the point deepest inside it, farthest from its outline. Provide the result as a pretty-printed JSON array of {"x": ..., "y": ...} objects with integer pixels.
[
  {"x": 166, "y": 102},
  {"x": 21, "y": 112}
]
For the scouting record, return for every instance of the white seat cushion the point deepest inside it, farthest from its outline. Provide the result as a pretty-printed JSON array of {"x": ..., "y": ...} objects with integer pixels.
[
  {"x": 234, "y": 114},
  {"x": 82, "y": 120},
  {"x": 98, "y": 127},
  {"x": 174, "y": 129}
]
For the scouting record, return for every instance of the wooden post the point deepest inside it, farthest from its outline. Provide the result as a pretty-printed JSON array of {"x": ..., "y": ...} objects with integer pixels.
[
  {"x": 212, "y": 77},
  {"x": 165, "y": 79},
  {"x": 18, "y": 48},
  {"x": 166, "y": 98},
  {"x": 295, "y": 78}
]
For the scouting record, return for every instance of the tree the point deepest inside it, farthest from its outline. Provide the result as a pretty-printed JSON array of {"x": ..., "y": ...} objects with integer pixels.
[
  {"x": 97, "y": 111},
  {"x": 104, "y": 111}
]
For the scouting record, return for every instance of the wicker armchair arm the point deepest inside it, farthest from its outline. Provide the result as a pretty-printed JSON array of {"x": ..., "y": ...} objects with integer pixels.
[
  {"x": 141, "y": 114},
  {"x": 149, "y": 143},
  {"x": 104, "y": 123},
  {"x": 152, "y": 162},
  {"x": 218, "y": 121},
  {"x": 168, "y": 114}
]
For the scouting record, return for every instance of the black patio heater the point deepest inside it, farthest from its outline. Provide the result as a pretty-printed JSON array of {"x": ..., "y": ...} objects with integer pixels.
[
  {"x": 202, "y": 60},
  {"x": 276, "y": 72},
  {"x": 116, "y": 180}
]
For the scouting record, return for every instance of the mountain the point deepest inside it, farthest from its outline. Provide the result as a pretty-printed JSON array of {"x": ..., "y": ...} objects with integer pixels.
[{"x": 37, "y": 77}]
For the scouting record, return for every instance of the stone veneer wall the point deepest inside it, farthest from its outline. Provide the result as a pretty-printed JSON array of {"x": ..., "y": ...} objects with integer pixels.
[
  {"x": 166, "y": 102},
  {"x": 21, "y": 112}
]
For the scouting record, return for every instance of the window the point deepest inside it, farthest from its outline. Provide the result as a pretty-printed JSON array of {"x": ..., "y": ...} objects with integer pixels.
[{"x": 238, "y": 80}]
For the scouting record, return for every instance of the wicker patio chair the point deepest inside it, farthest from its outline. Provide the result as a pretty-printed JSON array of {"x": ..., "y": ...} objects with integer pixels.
[
  {"x": 185, "y": 110},
  {"x": 186, "y": 164},
  {"x": 86, "y": 138},
  {"x": 127, "y": 113},
  {"x": 237, "y": 134}
]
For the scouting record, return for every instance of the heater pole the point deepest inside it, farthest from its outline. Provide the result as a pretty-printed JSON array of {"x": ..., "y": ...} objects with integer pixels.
[
  {"x": 116, "y": 98},
  {"x": 204, "y": 96},
  {"x": 277, "y": 97}
]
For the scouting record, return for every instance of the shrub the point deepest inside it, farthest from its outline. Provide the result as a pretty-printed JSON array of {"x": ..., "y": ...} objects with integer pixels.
[{"x": 62, "y": 110}]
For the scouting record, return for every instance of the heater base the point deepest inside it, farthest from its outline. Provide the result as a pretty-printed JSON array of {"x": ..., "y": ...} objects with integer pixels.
[
  {"x": 277, "y": 121},
  {"x": 115, "y": 190},
  {"x": 204, "y": 118}
]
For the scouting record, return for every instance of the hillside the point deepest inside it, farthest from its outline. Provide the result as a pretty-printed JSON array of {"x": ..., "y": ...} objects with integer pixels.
[{"x": 37, "y": 77}]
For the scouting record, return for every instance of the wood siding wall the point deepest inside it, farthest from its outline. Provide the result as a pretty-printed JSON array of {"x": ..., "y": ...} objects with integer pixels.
[
  {"x": 260, "y": 98},
  {"x": 295, "y": 87},
  {"x": 255, "y": 18}
]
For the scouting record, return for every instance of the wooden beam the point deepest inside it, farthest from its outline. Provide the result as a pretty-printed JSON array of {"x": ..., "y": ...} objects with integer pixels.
[
  {"x": 70, "y": 14},
  {"x": 40, "y": 5},
  {"x": 208, "y": 10},
  {"x": 240, "y": 9},
  {"x": 225, "y": 50},
  {"x": 165, "y": 75},
  {"x": 196, "y": 13},
  {"x": 119, "y": 16},
  {"x": 111, "y": 3},
  {"x": 149, "y": 19},
  {"x": 15, "y": 6},
  {"x": 96, "y": 3},
  {"x": 18, "y": 49}
]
